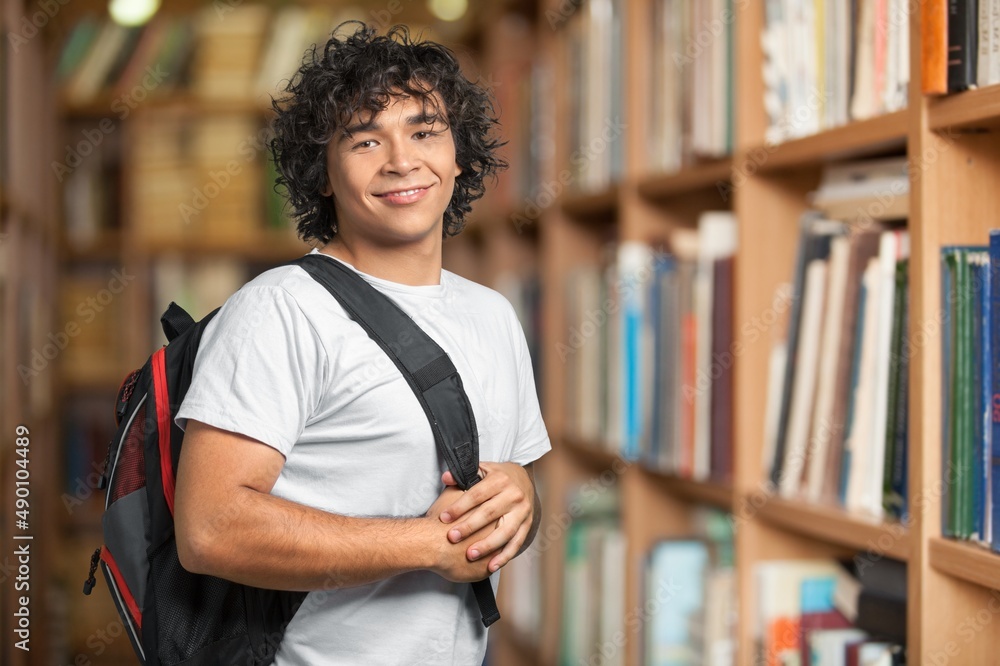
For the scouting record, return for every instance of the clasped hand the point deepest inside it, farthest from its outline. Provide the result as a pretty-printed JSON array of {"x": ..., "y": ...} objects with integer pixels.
[{"x": 489, "y": 522}]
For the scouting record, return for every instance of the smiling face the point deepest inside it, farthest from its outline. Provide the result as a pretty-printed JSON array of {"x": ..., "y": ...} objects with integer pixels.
[{"x": 392, "y": 175}]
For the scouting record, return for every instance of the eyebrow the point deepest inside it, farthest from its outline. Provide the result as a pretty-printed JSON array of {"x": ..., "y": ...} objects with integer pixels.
[{"x": 373, "y": 125}]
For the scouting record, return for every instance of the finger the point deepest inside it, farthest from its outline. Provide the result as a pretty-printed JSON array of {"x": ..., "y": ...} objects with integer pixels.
[
  {"x": 510, "y": 550},
  {"x": 448, "y": 479},
  {"x": 505, "y": 531},
  {"x": 470, "y": 499},
  {"x": 484, "y": 515}
]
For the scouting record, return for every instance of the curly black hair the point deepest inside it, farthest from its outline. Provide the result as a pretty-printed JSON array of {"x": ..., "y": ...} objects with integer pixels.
[{"x": 360, "y": 73}]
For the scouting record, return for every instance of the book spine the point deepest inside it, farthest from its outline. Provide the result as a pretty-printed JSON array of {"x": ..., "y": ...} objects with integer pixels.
[
  {"x": 995, "y": 387},
  {"x": 948, "y": 306},
  {"x": 975, "y": 309},
  {"x": 962, "y": 44},
  {"x": 984, "y": 457},
  {"x": 896, "y": 503}
]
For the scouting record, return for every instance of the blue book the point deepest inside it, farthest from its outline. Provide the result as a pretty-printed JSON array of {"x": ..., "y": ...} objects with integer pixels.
[
  {"x": 977, "y": 273},
  {"x": 676, "y": 571},
  {"x": 994, "y": 493}
]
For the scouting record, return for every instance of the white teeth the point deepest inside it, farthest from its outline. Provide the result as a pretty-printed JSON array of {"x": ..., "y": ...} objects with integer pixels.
[{"x": 406, "y": 193}]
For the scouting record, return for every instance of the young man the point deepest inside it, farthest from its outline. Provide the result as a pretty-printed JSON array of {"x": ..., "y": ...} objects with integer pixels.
[{"x": 308, "y": 463}]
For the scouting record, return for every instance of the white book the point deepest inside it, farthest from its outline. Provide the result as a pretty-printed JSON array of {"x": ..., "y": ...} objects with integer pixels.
[
  {"x": 804, "y": 388},
  {"x": 612, "y": 601},
  {"x": 860, "y": 428},
  {"x": 984, "y": 44},
  {"x": 994, "y": 77},
  {"x": 822, "y": 421},
  {"x": 863, "y": 103}
]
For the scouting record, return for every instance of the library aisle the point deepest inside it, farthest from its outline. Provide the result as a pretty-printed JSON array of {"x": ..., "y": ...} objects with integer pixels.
[{"x": 751, "y": 246}]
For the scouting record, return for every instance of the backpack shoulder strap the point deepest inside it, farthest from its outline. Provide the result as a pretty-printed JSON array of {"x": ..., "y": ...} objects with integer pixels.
[{"x": 427, "y": 369}]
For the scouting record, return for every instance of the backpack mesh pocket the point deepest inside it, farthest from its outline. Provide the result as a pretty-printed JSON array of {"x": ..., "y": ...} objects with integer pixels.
[
  {"x": 130, "y": 465},
  {"x": 193, "y": 611}
]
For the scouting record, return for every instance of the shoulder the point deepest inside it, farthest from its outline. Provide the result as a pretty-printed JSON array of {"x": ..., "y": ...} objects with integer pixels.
[{"x": 478, "y": 297}]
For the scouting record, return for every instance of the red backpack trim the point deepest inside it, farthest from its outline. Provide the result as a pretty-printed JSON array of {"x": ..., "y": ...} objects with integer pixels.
[
  {"x": 163, "y": 425},
  {"x": 122, "y": 587}
]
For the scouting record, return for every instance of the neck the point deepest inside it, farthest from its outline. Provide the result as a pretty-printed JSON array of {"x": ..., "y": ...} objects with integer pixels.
[{"x": 410, "y": 264}]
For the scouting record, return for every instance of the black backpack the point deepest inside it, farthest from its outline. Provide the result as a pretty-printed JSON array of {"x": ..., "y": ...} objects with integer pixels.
[{"x": 173, "y": 616}]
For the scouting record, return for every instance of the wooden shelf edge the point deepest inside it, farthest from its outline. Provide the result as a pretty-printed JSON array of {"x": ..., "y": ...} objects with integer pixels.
[
  {"x": 108, "y": 104},
  {"x": 855, "y": 139},
  {"x": 966, "y": 110},
  {"x": 837, "y": 526},
  {"x": 966, "y": 561},
  {"x": 713, "y": 493},
  {"x": 592, "y": 453},
  {"x": 699, "y": 177},
  {"x": 591, "y": 204}
]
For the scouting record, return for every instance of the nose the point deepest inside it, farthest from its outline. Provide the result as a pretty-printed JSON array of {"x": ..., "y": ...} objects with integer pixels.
[{"x": 402, "y": 158}]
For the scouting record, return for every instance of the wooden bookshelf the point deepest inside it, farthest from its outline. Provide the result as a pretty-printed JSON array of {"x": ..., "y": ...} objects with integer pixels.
[
  {"x": 970, "y": 110},
  {"x": 836, "y": 526},
  {"x": 597, "y": 205},
  {"x": 882, "y": 134},
  {"x": 953, "y": 144},
  {"x": 708, "y": 493},
  {"x": 965, "y": 561},
  {"x": 702, "y": 176}
]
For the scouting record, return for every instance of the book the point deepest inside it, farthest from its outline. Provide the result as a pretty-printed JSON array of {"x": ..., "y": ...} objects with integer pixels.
[
  {"x": 895, "y": 494},
  {"x": 864, "y": 246},
  {"x": 815, "y": 235},
  {"x": 962, "y": 44},
  {"x": 934, "y": 51},
  {"x": 676, "y": 569},
  {"x": 822, "y": 418},
  {"x": 805, "y": 378},
  {"x": 994, "y": 278}
]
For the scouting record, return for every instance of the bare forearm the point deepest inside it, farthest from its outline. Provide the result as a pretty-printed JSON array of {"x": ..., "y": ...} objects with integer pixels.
[{"x": 266, "y": 541}]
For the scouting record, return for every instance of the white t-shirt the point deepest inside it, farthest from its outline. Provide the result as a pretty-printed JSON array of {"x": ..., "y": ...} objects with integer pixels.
[{"x": 282, "y": 363}]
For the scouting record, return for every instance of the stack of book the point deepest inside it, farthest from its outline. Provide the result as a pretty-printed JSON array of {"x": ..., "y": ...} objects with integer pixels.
[
  {"x": 650, "y": 352},
  {"x": 829, "y": 62},
  {"x": 837, "y": 426},
  {"x": 823, "y": 613},
  {"x": 692, "y": 73},
  {"x": 690, "y": 595},
  {"x": 597, "y": 117},
  {"x": 970, "y": 432}
]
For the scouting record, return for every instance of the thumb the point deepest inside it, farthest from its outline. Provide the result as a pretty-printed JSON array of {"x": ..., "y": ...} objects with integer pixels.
[{"x": 448, "y": 479}]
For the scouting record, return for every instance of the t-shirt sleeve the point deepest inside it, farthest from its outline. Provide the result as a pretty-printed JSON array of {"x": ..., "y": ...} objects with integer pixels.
[
  {"x": 532, "y": 440},
  {"x": 260, "y": 369}
]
